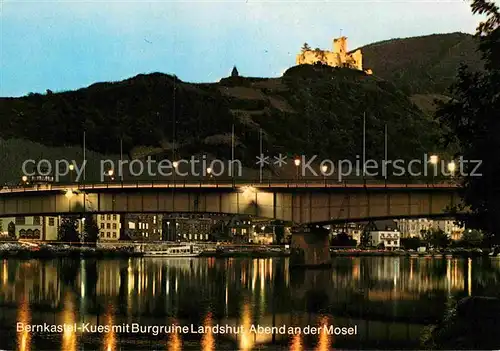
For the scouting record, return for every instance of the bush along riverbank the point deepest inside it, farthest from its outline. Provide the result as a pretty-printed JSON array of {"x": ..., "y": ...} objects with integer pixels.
[
  {"x": 472, "y": 323},
  {"x": 457, "y": 253}
]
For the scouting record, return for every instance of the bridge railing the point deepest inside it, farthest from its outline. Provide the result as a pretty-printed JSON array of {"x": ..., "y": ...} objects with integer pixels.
[{"x": 233, "y": 183}]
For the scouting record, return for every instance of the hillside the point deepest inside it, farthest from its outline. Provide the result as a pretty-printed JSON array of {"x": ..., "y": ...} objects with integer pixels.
[
  {"x": 422, "y": 65},
  {"x": 310, "y": 110}
]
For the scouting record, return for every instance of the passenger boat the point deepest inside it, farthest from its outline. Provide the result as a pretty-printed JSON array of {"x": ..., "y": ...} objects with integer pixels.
[{"x": 175, "y": 251}]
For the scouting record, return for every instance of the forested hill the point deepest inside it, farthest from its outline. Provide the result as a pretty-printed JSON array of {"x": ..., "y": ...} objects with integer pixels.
[
  {"x": 422, "y": 65},
  {"x": 311, "y": 110}
]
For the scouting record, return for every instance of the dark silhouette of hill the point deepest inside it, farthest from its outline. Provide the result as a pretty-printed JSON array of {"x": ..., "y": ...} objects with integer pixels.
[
  {"x": 310, "y": 110},
  {"x": 422, "y": 65}
]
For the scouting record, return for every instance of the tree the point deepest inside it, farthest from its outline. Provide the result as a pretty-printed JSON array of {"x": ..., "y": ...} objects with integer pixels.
[
  {"x": 305, "y": 47},
  {"x": 11, "y": 230},
  {"x": 472, "y": 123},
  {"x": 437, "y": 238},
  {"x": 472, "y": 237},
  {"x": 411, "y": 243},
  {"x": 68, "y": 230},
  {"x": 279, "y": 231},
  {"x": 365, "y": 238},
  {"x": 234, "y": 72},
  {"x": 343, "y": 239},
  {"x": 90, "y": 229}
]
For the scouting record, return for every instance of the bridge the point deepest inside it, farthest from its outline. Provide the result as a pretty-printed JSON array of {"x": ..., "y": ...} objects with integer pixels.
[{"x": 303, "y": 203}]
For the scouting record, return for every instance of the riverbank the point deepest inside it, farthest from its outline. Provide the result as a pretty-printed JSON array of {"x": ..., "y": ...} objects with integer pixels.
[
  {"x": 375, "y": 253},
  {"x": 15, "y": 250}
]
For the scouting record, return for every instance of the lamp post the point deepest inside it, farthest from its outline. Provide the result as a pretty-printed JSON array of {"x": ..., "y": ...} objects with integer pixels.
[
  {"x": 71, "y": 168},
  {"x": 434, "y": 159},
  {"x": 297, "y": 164},
  {"x": 452, "y": 168},
  {"x": 175, "y": 164},
  {"x": 82, "y": 230},
  {"x": 324, "y": 168},
  {"x": 209, "y": 172},
  {"x": 168, "y": 230},
  {"x": 110, "y": 174}
]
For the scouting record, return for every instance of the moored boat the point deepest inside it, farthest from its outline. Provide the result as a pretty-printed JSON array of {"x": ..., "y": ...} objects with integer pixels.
[{"x": 175, "y": 251}]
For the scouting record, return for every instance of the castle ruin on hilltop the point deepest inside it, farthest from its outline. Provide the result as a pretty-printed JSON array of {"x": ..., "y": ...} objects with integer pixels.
[{"x": 339, "y": 57}]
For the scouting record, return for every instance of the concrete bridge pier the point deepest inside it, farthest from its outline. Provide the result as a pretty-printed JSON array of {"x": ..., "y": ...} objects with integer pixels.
[{"x": 310, "y": 247}]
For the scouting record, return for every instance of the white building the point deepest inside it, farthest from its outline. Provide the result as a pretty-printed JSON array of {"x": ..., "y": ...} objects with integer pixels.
[
  {"x": 413, "y": 227},
  {"x": 35, "y": 227},
  {"x": 109, "y": 226},
  {"x": 390, "y": 239}
]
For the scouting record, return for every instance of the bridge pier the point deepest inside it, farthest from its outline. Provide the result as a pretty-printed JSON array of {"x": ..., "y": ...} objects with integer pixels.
[{"x": 310, "y": 247}]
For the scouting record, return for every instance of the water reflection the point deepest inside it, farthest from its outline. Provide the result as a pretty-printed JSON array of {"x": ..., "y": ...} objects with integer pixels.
[
  {"x": 175, "y": 341},
  {"x": 389, "y": 299},
  {"x": 207, "y": 340},
  {"x": 110, "y": 336},
  {"x": 246, "y": 337},
  {"x": 296, "y": 343},
  {"x": 69, "y": 324},
  {"x": 324, "y": 341},
  {"x": 24, "y": 317}
]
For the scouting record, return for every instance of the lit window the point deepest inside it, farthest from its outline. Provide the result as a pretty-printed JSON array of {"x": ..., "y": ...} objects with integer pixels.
[{"x": 114, "y": 217}]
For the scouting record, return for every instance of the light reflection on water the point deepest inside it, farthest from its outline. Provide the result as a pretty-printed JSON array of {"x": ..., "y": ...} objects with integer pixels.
[
  {"x": 175, "y": 341},
  {"x": 207, "y": 340},
  {"x": 401, "y": 294},
  {"x": 110, "y": 336},
  {"x": 24, "y": 317},
  {"x": 69, "y": 341}
]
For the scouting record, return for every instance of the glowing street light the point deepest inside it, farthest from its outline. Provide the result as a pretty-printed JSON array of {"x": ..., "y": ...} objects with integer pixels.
[
  {"x": 24, "y": 178},
  {"x": 71, "y": 167},
  {"x": 452, "y": 167},
  {"x": 175, "y": 164},
  {"x": 324, "y": 168},
  {"x": 434, "y": 159},
  {"x": 297, "y": 164}
]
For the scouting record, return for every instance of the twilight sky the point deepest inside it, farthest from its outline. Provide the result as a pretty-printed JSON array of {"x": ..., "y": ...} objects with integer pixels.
[{"x": 65, "y": 45}]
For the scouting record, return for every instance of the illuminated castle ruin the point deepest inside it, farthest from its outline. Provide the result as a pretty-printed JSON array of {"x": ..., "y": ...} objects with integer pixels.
[{"x": 339, "y": 57}]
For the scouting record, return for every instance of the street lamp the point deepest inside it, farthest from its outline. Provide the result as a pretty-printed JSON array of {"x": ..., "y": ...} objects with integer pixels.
[
  {"x": 175, "y": 164},
  {"x": 71, "y": 168},
  {"x": 209, "y": 172},
  {"x": 168, "y": 230},
  {"x": 324, "y": 168},
  {"x": 110, "y": 174},
  {"x": 452, "y": 167},
  {"x": 297, "y": 164},
  {"x": 24, "y": 178},
  {"x": 434, "y": 159}
]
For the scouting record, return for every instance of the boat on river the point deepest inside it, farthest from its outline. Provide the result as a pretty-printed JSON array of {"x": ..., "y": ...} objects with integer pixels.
[{"x": 175, "y": 251}]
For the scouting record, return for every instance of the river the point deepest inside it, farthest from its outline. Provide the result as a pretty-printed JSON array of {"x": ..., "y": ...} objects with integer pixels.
[{"x": 385, "y": 301}]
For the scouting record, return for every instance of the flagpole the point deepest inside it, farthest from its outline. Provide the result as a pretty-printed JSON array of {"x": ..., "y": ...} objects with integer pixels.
[
  {"x": 385, "y": 152},
  {"x": 364, "y": 142},
  {"x": 121, "y": 159},
  {"x": 260, "y": 143},
  {"x": 84, "y": 159},
  {"x": 232, "y": 151}
]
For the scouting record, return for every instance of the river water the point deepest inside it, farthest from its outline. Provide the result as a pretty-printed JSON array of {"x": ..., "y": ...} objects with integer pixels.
[{"x": 386, "y": 301}]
